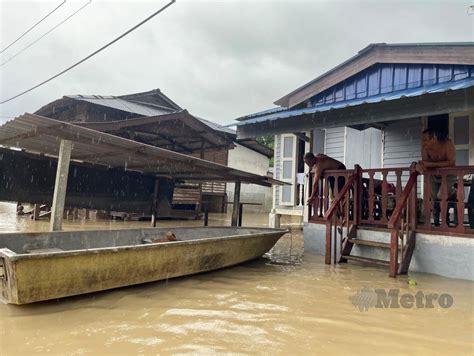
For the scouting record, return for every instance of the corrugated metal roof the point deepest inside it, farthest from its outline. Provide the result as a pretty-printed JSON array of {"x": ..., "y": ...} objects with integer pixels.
[
  {"x": 140, "y": 108},
  {"x": 147, "y": 110},
  {"x": 261, "y": 113},
  {"x": 121, "y": 104},
  {"x": 438, "y": 88},
  {"x": 39, "y": 134}
]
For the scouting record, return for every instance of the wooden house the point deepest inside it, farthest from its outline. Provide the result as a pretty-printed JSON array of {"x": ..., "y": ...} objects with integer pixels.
[
  {"x": 153, "y": 118},
  {"x": 369, "y": 113}
]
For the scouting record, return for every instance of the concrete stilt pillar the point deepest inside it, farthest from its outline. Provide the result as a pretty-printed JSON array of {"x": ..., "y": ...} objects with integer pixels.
[
  {"x": 60, "y": 185},
  {"x": 274, "y": 219}
]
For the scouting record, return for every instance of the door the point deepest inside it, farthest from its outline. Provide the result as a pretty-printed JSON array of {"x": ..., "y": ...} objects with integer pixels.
[
  {"x": 461, "y": 131},
  {"x": 363, "y": 148},
  {"x": 288, "y": 169}
]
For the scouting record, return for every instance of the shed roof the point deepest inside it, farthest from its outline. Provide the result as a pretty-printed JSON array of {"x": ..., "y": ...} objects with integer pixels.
[
  {"x": 155, "y": 104},
  {"x": 37, "y": 134}
]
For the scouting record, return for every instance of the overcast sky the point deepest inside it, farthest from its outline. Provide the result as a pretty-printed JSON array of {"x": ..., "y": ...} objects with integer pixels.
[{"x": 219, "y": 60}]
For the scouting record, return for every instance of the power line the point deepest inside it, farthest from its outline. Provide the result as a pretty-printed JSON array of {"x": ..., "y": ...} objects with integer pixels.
[
  {"x": 92, "y": 54},
  {"x": 32, "y": 27},
  {"x": 45, "y": 34}
]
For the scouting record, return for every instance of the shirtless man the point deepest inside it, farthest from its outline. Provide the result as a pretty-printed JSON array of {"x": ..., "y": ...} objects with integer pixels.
[
  {"x": 437, "y": 151},
  {"x": 318, "y": 164}
]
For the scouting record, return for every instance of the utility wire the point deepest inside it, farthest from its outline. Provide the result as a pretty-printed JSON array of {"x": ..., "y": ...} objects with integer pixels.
[
  {"x": 92, "y": 54},
  {"x": 32, "y": 27},
  {"x": 45, "y": 34}
]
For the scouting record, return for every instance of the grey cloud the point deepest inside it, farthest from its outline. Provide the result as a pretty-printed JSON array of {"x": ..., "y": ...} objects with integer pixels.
[{"x": 219, "y": 60}]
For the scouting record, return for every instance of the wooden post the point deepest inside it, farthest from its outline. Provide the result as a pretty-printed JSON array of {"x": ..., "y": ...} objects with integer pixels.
[
  {"x": 235, "y": 210},
  {"x": 206, "y": 213},
  {"x": 36, "y": 211},
  {"x": 394, "y": 252},
  {"x": 241, "y": 213},
  {"x": 155, "y": 203},
  {"x": 60, "y": 185}
]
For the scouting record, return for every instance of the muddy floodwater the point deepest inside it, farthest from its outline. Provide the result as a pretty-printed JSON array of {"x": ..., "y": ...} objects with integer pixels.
[{"x": 288, "y": 302}]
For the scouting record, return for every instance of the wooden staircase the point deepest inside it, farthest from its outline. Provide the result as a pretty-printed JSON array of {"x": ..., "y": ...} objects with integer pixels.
[
  {"x": 374, "y": 248},
  {"x": 395, "y": 243}
]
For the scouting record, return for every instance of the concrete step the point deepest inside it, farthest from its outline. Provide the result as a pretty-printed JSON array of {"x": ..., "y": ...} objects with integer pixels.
[{"x": 367, "y": 260}]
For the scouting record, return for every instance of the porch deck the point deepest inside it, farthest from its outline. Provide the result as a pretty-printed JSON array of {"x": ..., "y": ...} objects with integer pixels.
[{"x": 400, "y": 200}]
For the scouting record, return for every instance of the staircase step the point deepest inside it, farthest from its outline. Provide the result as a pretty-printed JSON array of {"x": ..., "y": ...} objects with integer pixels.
[
  {"x": 370, "y": 243},
  {"x": 367, "y": 260}
]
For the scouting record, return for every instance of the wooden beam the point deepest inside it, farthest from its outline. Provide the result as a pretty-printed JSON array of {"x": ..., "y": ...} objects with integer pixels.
[
  {"x": 60, "y": 186},
  {"x": 236, "y": 206},
  {"x": 162, "y": 137}
]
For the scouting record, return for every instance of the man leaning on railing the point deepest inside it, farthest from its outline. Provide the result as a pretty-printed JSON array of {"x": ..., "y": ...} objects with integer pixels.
[
  {"x": 318, "y": 164},
  {"x": 437, "y": 151}
]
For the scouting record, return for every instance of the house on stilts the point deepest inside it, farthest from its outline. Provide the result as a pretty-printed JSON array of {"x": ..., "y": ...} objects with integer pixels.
[
  {"x": 369, "y": 112},
  {"x": 153, "y": 118}
]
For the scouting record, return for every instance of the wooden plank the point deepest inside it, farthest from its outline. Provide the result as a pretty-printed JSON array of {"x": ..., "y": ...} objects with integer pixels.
[
  {"x": 60, "y": 187},
  {"x": 366, "y": 260},
  {"x": 370, "y": 243}
]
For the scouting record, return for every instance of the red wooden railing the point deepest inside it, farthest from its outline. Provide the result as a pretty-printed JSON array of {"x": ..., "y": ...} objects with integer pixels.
[
  {"x": 381, "y": 192},
  {"x": 444, "y": 212},
  {"x": 328, "y": 189},
  {"x": 403, "y": 226},
  {"x": 381, "y": 189},
  {"x": 341, "y": 218}
]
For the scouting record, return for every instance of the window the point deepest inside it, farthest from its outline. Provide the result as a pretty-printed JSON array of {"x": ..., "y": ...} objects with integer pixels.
[{"x": 288, "y": 169}]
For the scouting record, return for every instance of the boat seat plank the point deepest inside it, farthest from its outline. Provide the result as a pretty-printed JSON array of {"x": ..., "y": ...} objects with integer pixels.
[{"x": 45, "y": 250}]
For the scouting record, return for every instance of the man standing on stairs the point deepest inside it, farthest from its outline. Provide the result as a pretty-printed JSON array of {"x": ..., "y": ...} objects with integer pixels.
[
  {"x": 318, "y": 164},
  {"x": 438, "y": 151}
]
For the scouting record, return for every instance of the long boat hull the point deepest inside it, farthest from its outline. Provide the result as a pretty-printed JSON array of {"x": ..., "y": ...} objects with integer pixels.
[{"x": 42, "y": 266}]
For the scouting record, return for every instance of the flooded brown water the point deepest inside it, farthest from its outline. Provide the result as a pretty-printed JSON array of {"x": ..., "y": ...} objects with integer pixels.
[{"x": 285, "y": 303}]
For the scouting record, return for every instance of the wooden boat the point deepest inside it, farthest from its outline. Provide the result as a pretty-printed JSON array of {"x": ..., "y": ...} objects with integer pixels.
[{"x": 49, "y": 265}]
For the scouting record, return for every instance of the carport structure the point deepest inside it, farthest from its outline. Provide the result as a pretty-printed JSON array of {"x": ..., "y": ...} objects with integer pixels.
[{"x": 48, "y": 139}]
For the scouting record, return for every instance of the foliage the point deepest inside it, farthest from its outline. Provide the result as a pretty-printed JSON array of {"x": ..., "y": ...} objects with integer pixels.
[{"x": 269, "y": 141}]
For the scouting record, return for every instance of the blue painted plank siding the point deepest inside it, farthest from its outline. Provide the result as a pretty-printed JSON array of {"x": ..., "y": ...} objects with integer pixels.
[{"x": 387, "y": 78}]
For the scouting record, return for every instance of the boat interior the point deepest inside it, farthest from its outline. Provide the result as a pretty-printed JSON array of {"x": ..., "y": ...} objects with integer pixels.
[{"x": 47, "y": 242}]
